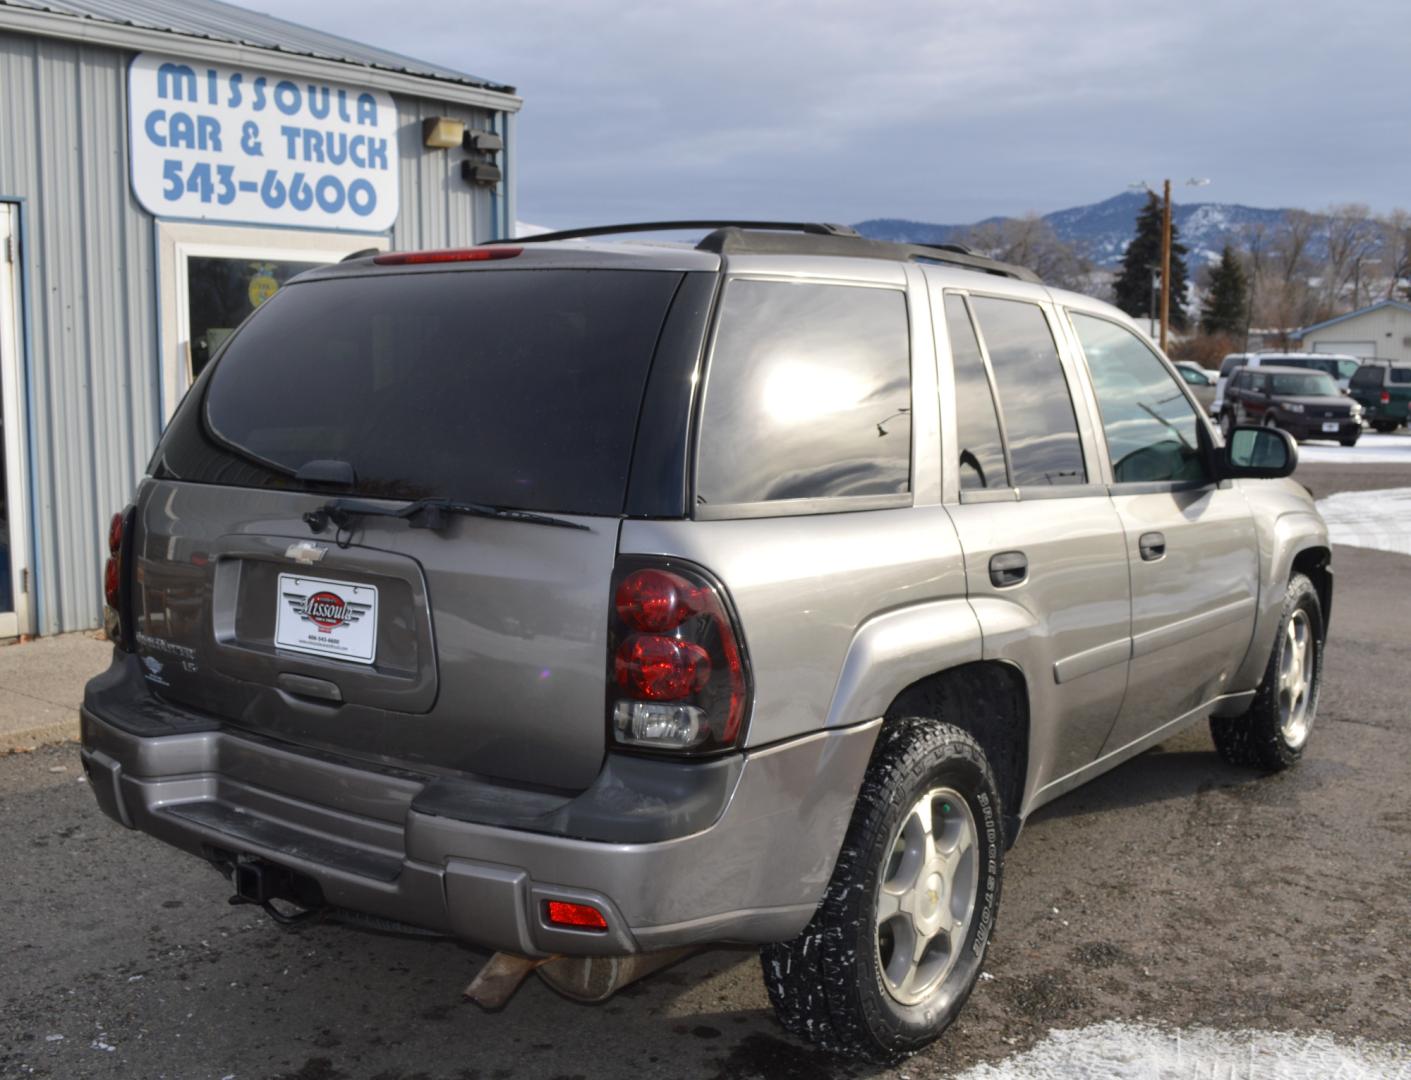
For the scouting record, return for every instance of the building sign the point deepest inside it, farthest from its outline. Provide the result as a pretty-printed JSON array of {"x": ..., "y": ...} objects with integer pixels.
[{"x": 229, "y": 144}]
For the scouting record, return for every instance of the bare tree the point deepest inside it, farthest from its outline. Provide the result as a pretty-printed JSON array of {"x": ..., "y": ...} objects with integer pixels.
[
  {"x": 1030, "y": 241},
  {"x": 1350, "y": 240},
  {"x": 1394, "y": 247}
]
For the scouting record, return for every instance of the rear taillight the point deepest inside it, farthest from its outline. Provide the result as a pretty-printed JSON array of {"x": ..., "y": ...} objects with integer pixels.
[
  {"x": 115, "y": 576},
  {"x": 1386, "y": 397},
  {"x": 678, "y": 678}
]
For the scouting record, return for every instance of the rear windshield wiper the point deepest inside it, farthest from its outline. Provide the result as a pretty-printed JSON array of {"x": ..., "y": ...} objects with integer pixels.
[{"x": 423, "y": 514}]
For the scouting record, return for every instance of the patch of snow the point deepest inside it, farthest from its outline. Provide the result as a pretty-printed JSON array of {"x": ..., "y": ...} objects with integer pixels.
[
  {"x": 1370, "y": 519},
  {"x": 1123, "y": 1051},
  {"x": 1371, "y": 449}
]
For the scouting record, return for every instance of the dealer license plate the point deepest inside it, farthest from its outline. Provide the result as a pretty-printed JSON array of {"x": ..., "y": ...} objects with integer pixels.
[
  {"x": 1330, "y": 427},
  {"x": 326, "y": 618}
]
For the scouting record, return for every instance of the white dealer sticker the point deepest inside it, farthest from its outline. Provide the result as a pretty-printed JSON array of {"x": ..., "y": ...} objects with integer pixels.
[{"x": 327, "y": 618}]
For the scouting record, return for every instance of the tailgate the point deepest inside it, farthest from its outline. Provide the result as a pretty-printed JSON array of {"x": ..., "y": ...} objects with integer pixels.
[{"x": 477, "y": 648}]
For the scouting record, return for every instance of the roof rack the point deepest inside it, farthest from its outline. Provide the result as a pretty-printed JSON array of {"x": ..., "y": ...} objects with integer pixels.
[
  {"x": 798, "y": 238},
  {"x": 815, "y": 228}
]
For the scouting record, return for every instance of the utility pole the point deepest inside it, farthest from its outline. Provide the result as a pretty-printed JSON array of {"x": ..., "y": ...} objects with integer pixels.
[
  {"x": 1165, "y": 263},
  {"x": 1166, "y": 250}
]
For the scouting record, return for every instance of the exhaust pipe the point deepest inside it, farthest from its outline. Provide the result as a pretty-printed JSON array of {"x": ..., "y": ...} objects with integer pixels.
[
  {"x": 581, "y": 978},
  {"x": 597, "y": 978}
]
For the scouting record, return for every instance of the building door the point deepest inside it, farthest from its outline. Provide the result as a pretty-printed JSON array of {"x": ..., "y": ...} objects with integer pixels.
[
  {"x": 14, "y": 504},
  {"x": 213, "y": 276}
]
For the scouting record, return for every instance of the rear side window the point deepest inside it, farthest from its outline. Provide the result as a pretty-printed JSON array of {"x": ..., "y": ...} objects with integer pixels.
[
  {"x": 516, "y": 388},
  {"x": 1399, "y": 375},
  {"x": 981, "y": 462},
  {"x": 1152, "y": 431},
  {"x": 808, "y": 395},
  {"x": 1039, "y": 421}
]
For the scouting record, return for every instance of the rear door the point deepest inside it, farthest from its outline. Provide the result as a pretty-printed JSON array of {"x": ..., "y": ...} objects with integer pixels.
[
  {"x": 1190, "y": 541},
  {"x": 1366, "y": 387},
  {"x": 1045, "y": 559},
  {"x": 476, "y": 646}
]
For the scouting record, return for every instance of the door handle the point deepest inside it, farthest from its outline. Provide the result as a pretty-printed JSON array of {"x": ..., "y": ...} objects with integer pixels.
[
  {"x": 306, "y": 687},
  {"x": 1152, "y": 545},
  {"x": 1008, "y": 568}
]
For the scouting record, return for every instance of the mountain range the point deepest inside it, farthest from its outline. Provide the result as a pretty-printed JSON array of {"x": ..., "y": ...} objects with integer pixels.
[{"x": 1102, "y": 230}]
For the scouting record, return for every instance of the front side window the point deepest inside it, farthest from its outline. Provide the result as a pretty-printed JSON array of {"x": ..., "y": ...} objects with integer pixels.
[
  {"x": 1039, "y": 421},
  {"x": 808, "y": 395},
  {"x": 977, "y": 424},
  {"x": 1152, "y": 431}
]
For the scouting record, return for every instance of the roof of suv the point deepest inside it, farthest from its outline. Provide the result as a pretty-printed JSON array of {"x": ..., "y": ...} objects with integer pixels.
[{"x": 576, "y": 247}]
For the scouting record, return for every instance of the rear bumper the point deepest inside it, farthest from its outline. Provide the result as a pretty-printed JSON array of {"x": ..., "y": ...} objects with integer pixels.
[
  {"x": 1300, "y": 428},
  {"x": 750, "y": 864}
]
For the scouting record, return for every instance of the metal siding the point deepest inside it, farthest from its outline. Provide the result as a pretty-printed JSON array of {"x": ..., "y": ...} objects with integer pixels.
[
  {"x": 439, "y": 209},
  {"x": 89, "y": 261},
  {"x": 90, "y": 264}
]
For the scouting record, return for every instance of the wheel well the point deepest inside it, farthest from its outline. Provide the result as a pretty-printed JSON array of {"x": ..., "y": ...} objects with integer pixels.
[
  {"x": 1313, "y": 563},
  {"x": 989, "y": 700}
]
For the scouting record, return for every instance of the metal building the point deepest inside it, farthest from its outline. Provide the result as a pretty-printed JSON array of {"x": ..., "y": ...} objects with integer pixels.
[{"x": 164, "y": 166}]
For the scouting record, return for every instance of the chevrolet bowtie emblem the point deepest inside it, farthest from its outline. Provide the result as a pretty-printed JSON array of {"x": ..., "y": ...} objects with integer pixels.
[{"x": 306, "y": 552}]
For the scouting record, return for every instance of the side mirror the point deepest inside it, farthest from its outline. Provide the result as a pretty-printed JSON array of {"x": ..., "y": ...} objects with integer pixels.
[{"x": 1259, "y": 453}]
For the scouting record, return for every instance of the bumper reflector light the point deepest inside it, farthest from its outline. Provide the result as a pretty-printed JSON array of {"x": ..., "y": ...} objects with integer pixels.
[{"x": 577, "y": 916}]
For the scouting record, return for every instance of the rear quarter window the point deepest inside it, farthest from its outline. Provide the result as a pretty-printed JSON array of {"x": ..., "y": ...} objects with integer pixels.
[
  {"x": 808, "y": 395},
  {"x": 1400, "y": 376}
]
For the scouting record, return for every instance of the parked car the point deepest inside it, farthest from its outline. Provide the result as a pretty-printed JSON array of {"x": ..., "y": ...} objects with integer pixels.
[
  {"x": 1222, "y": 378},
  {"x": 1383, "y": 389},
  {"x": 590, "y": 601},
  {"x": 1307, "y": 404},
  {"x": 1339, "y": 366},
  {"x": 1200, "y": 382}
]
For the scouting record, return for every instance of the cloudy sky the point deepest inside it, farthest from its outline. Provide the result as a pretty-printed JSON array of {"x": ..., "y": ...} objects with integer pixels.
[{"x": 929, "y": 109}]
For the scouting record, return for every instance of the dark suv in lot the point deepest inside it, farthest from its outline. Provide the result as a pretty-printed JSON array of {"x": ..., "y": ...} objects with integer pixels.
[
  {"x": 588, "y": 602},
  {"x": 1307, "y": 404},
  {"x": 1383, "y": 389}
]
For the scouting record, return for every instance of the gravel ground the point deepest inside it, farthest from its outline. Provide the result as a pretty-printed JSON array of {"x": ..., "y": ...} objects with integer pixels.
[{"x": 1173, "y": 890}]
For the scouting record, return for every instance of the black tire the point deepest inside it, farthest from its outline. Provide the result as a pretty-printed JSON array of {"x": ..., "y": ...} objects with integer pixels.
[
  {"x": 827, "y": 985},
  {"x": 1260, "y": 739},
  {"x": 1386, "y": 427},
  {"x": 1350, "y": 440}
]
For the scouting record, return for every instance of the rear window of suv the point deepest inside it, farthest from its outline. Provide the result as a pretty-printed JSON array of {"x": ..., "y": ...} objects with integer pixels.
[{"x": 515, "y": 388}]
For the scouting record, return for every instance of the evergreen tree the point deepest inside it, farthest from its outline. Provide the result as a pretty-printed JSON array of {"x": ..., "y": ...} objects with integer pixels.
[
  {"x": 1225, "y": 307},
  {"x": 1132, "y": 290}
]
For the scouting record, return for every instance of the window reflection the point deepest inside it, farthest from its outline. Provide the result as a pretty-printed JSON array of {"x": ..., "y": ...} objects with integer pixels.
[
  {"x": 977, "y": 425},
  {"x": 1150, "y": 426},
  {"x": 808, "y": 395},
  {"x": 1038, "y": 413}
]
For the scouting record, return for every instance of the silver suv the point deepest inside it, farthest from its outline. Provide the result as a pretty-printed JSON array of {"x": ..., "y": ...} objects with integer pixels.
[{"x": 593, "y": 601}]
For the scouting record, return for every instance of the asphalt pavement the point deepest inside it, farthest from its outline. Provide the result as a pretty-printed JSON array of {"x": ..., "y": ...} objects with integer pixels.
[{"x": 1174, "y": 891}]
